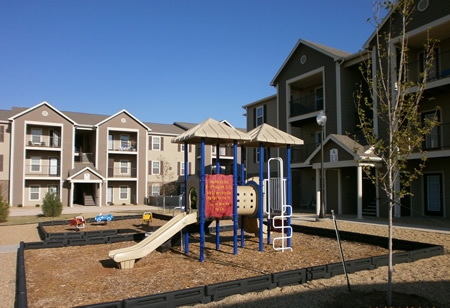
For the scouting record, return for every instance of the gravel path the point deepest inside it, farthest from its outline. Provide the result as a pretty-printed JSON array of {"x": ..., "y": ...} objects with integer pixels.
[{"x": 429, "y": 278}]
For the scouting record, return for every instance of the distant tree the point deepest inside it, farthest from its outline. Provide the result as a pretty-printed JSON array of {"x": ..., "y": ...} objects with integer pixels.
[
  {"x": 166, "y": 179},
  {"x": 4, "y": 208},
  {"x": 51, "y": 205},
  {"x": 394, "y": 102}
]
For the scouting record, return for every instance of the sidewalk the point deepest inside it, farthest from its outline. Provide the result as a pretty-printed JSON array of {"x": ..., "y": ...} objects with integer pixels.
[{"x": 88, "y": 211}]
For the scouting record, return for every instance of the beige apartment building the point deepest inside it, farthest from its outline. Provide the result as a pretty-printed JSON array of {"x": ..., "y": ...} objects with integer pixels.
[{"x": 87, "y": 159}]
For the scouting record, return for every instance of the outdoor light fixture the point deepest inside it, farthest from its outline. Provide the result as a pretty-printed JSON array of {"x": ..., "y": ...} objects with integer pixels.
[{"x": 321, "y": 119}]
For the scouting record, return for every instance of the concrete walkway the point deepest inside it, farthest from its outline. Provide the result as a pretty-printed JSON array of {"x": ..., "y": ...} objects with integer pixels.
[{"x": 84, "y": 210}]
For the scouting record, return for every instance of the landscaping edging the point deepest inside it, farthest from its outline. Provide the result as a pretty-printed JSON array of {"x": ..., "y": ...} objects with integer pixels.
[{"x": 411, "y": 251}]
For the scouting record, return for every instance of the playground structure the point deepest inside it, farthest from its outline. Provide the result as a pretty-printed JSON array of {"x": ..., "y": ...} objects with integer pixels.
[{"x": 216, "y": 197}]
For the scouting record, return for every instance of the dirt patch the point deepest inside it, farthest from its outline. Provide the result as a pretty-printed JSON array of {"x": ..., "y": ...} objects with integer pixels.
[{"x": 81, "y": 275}]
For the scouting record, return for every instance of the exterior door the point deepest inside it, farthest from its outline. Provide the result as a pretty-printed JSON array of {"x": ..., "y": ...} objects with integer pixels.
[
  {"x": 109, "y": 198},
  {"x": 53, "y": 166},
  {"x": 433, "y": 194}
]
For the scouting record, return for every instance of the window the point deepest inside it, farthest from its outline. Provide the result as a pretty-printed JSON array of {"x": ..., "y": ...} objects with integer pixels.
[
  {"x": 156, "y": 167},
  {"x": 431, "y": 62},
  {"x": 34, "y": 192},
  {"x": 222, "y": 150},
  {"x": 181, "y": 148},
  {"x": 36, "y": 134},
  {"x": 433, "y": 139},
  {"x": 156, "y": 143},
  {"x": 35, "y": 164},
  {"x": 110, "y": 142},
  {"x": 53, "y": 189},
  {"x": 433, "y": 194},
  {"x": 181, "y": 168},
  {"x": 2, "y": 133},
  {"x": 259, "y": 115},
  {"x": 319, "y": 98},
  {"x": 124, "y": 166},
  {"x": 155, "y": 189},
  {"x": 123, "y": 195},
  {"x": 124, "y": 142}
]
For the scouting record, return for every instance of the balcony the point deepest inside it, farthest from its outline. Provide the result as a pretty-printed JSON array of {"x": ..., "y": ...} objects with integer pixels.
[
  {"x": 122, "y": 146},
  {"x": 304, "y": 105},
  {"x": 44, "y": 142},
  {"x": 122, "y": 172},
  {"x": 300, "y": 153},
  {"x": 42, "y": 170},
  {"x": 438, "y": 140},
  {"x": 439, "y": 70}
]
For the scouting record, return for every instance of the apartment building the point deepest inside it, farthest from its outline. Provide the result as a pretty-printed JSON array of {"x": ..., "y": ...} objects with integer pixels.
[
  {"x": 87, "y": 159},
  {"x": 316, "y": 78}
]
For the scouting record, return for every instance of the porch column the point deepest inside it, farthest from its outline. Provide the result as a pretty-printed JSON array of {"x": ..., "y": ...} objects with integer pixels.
[
  {"x": 100, "y": 193},
  {"x": 70, "y": 189},
  {"x": 359, "y": 190},
  {"x": 318, "y": 197}
]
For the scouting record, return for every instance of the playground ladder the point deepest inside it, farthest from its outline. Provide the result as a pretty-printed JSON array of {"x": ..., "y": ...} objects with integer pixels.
[{"x": 276, "y": 203}]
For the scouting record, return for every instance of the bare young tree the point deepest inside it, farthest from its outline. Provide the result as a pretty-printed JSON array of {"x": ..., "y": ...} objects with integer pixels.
[
  {"x": 389, "y": 110},
  {"x": 166, "y": 179}
]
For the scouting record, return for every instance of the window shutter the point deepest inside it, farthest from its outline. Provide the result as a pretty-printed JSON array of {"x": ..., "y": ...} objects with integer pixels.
[
  {"x": 178, "y": 168},
  {"x": 162, "y": 144},
  {"x": 2, "y": 133},
  {"x": 190, "y": 148},
  {"x": 150, "y": 167},
  {"x": 161, "y": 168},
  {"x": 254, "y": 117},
  {"x": 190, "y": 172},
  {"x": 1, "y": 162},
  {"x": 150, "y": 142}
]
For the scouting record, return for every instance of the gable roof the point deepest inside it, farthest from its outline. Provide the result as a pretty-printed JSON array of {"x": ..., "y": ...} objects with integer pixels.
[
  {"x": 82, "y": 168},
  {"x": 359, "y": 152},
  {"x": 129, "y": 114},
  {"x": 213, "y": 132},
  {"x": 44, "y": 103},
  {"x": 333, "y": 53},
  {"x": 270, "y": 136}
]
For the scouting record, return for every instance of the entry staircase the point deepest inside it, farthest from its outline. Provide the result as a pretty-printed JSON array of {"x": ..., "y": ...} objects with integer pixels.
[
  {"x": 370, "y": 209},
  {"x": 88, "y": 200}
]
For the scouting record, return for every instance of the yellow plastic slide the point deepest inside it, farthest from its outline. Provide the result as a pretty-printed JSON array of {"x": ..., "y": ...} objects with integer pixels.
[{"x": 125, "y": 257}]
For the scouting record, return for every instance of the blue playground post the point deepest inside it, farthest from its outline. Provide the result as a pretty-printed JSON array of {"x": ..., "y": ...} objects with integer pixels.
[
  {"x": 202, "y": 200},
  {"x": 261, "y": 203},
  {"x": 235, "y": 214},
  {"x": 186, "y": 193},
  {"x": 217, "y": 220}
]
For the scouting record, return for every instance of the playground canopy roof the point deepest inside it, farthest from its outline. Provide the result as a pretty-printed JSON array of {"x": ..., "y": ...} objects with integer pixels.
[
  {"x": 269, "y": 136},
  {"x": 213, "y": 132}
]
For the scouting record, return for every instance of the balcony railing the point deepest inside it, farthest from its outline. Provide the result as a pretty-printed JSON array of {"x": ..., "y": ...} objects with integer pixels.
[
  {"x": 127, "y": 146},
  {"x": 300, "y": 153},
  {"x": 48, "y": 142},
  {"x": 439, "y": 70},
  {"x": 42, "y": 170},
  {"x": 122, "y": 172},
  {"x": 304, "y": 105},
  {"x": 439, "y": 139}
]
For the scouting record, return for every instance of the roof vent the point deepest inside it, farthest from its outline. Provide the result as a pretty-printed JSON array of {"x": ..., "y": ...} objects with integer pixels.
[
  {"x": 303, "y": 59},
  {"x": 423, "y": 5}
]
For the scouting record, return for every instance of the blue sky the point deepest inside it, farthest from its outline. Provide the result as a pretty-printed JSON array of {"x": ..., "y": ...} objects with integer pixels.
[{"x": 166, "y": 60}]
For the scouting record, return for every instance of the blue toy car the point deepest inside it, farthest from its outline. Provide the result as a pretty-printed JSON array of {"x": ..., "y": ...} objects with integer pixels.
[{"x": 101, "y": 217}]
